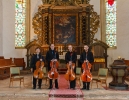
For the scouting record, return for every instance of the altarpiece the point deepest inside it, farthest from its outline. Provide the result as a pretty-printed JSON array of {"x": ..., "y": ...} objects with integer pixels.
[{"x": 65, "y": 22}]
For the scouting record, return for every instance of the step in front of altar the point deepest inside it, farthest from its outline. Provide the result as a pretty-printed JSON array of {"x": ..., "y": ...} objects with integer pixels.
[
  {"x": 66, "y": 93},
  {"x": 65, "y": 98}
]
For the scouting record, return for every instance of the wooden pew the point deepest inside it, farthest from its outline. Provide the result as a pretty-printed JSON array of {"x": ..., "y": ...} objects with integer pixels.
[
  {"x": 19, "y": 62},
  {"x": 5, "y": 65},
  {"x": 1, "y": 57}
]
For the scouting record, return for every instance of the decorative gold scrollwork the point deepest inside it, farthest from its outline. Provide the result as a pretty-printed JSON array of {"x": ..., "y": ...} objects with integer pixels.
[
  {"x": 37, "y": 25},
  {"x": 65, "y": 2},
  {"x": 94, "y": 23},
  {"x": 42, "y": 20}
]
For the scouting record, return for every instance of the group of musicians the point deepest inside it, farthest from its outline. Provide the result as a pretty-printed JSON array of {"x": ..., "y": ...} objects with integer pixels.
[{"x": 86, "y": 58}]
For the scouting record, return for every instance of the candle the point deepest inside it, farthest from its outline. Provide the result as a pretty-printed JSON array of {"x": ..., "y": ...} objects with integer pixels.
[
  {"x": 58, "y": 48},
  {"x": 61, "y": 48}
]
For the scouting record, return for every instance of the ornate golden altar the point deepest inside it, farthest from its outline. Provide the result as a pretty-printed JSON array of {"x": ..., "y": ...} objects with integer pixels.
[{"x": 63, "y": 22}]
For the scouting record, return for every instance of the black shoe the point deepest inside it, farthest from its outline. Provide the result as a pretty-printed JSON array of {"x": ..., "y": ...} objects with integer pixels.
[
  {"x": 34, "y": 87},
  {"x": 39, "y": 88},
  {"x": 82, "y": 88},
  {"x": 57, "y": 87},
  {"x": 49, "y": 88}
]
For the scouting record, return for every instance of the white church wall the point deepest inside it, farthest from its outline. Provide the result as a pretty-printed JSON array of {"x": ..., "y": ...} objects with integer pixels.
[
  {"x": 34, "y": 9},
  {"x": 96, "y": 7},
  {"x": 1, "y": 29},
  {"x": 122, "y": 32},
  {"x": 9, "y": 31}
]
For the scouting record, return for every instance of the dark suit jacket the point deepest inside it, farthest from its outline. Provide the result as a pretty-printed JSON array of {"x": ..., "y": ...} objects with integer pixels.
[
  {"x": 50, "y": 56},
  {"x": 68, "y": 57},
  {"x": 34, "y": 59},
  {"x": 71, "y": 57},
  {"x": 90, "y": 57}
]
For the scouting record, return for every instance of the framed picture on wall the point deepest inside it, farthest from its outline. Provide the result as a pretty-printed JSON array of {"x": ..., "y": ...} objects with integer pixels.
[{"x": 65, "y": 29}]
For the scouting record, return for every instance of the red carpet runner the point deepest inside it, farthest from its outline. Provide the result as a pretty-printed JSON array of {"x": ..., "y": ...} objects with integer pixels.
[{"x": 63, "y": 93}]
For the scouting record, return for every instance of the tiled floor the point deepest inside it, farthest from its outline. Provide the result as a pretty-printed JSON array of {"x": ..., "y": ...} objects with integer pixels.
[{"x": 27, "y": 93}]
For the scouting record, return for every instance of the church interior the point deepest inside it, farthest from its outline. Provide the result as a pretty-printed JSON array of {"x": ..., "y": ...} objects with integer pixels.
[{"x": 102, "y": 25}]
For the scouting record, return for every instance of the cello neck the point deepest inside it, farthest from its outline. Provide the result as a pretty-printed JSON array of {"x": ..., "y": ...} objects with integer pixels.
[
  {"x": 86, "y": 65},
  {"x": 55, "y": 55},
  {"x": 86, "y": 61},
  {"x": 71, "y": 56},
  {"x": 71, "y": 66},
  {"x": 53, "y": 64}
]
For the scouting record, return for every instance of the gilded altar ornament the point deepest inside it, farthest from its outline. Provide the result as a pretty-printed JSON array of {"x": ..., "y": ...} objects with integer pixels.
[
  {"x": 87, "y": 23},
  {"x": 65, "y": 2},
  {"x": 43, "y": 19}
]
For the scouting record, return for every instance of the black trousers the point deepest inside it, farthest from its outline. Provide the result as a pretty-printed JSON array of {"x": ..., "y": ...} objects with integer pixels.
[
  {"x": 51, "y": 85},
  {"x": 50, "y": 80},
  {"x": 86, "y": 85},
  {"x": 72, "y": 84},
  {"x": 35, "y": 81}
]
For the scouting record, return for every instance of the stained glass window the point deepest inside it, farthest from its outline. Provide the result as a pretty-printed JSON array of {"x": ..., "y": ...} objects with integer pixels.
[
  {"x": 111, "y": 24},
  {"x": 20, "y": 21}
]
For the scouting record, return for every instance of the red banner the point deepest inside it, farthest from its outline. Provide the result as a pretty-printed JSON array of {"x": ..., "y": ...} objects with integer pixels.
[{"x": 111, "y": 2}]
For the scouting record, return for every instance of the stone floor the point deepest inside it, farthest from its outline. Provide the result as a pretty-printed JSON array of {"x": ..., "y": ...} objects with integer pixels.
[{"x": 27, "y": 93}]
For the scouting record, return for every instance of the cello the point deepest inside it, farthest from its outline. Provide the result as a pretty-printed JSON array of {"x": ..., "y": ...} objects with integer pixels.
[
  {"x": 86, "y": 75},
  {"x": 38, "y": 73},
  {"x": 53, "y": 73},
  {"x": 70, "y": 75}
]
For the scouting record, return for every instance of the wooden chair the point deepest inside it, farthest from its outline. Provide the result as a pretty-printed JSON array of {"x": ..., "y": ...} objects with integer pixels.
[
  {"x": 78, "y": 74},
  {"x": 15, "y": 75},
  {"x": 45, "y": 75},
  {"x": 102, "y": 77}
]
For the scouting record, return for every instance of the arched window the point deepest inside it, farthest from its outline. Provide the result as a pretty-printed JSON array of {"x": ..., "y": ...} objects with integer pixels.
[
  {"x": 111, "y": 23},
  {"x": 20, "y": 23}
]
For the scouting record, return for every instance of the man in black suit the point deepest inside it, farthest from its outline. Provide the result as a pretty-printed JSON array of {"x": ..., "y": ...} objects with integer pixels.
[
  {"x": 71, "y": 57},
  {"x": 36, "y": 57},
  {"x": 86, "y": 56},
  {"x": 52, "y": 55}
]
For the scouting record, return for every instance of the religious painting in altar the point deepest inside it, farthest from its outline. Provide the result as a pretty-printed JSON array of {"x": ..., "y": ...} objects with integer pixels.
[{"x": 65, "y": 29}]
